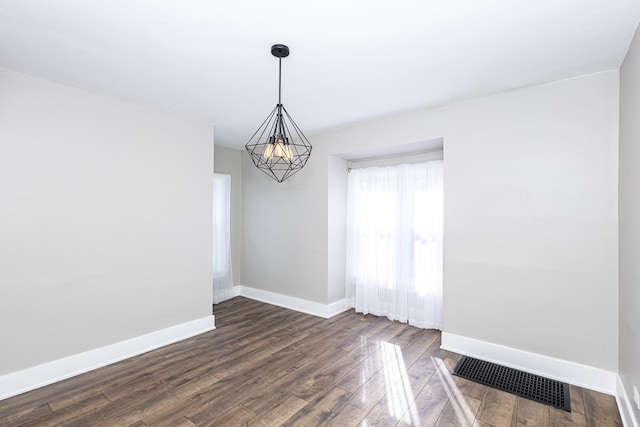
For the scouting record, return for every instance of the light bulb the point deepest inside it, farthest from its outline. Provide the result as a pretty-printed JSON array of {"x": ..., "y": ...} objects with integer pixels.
[
  {"x": 268, "y": 151},
  {"x": 288, "y": 153},
  {"x": 280, "y": 150},
  {"x": 281, "y": 146}
]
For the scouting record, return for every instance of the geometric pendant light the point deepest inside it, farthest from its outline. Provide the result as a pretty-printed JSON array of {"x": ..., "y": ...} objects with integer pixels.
[{"x": 278, "y": 147}]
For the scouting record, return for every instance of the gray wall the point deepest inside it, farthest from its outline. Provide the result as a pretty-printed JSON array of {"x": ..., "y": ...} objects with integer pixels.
[
  {"x": 338, "y": 177},
  {"x": 530, "y": 247},
  {"x": 105, "y": 221},
  {"x": 285, "y": 230},
  {"x": 629, "y": 211},
  {"x": 228, "y": 161}
]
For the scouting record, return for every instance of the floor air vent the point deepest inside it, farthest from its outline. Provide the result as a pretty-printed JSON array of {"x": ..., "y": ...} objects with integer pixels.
[{"x": 530, "y": 386}]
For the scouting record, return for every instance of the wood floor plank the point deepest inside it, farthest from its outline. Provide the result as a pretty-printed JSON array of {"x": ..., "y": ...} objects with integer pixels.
[
  {"x": 173, "y": 397},
  {"x": 600, "y": 409},
  {"x": 498, "y": 408},
  {"x": 392, "y": 405},
  {"x": 319, "y": 410},
  {"x": 71, "y": 413},
  {"x": 432, "y": 399},
  {"x": 470, "y": 388},
  {"x": 388, "y": 333},
  {"x": 577, "y": 400},
  {"x": 360, "y": 403},
  {"x": 459, "y": 411},
  {"x": 410, "y": 333},
  {"x": 214, "y": 395},
  {"x": 265, "y": 365},
  {"x": 280, "y": 413},
  {"x": 28, "y": 414},
  {"x": 262, "y": 355},
  {"x": 403, "y": 388},
  {"x": 359, "y": 342},
  {"x": 42, "y": 395},
  {"x": 562, "y": 418},
  {"x": 349, "y": 338},
  {"x": 97, "y": 382},
  {"x": 363, "y": 371},
  {"x": 530, "y": 413},
  {"x": 235, "y": 416},
  {"x": 262, "y": 400},
  {"x": 60, "y": 402},
  {"x": 148, "y": 378},
  {"x": 179, "y": 421},
  {"x": 122, "y": 407}
]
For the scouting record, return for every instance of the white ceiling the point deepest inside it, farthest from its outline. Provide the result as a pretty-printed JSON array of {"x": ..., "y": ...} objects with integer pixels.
[{"x": 350, "y": 59}]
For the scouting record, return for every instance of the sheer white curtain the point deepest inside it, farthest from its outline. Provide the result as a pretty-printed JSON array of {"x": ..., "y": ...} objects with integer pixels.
[
  {"x": 394, "y": 242},
  {"x": 222, "y": 272}
]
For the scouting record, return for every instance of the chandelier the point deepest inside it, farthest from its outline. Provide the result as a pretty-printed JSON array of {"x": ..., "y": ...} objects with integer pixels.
[{"x": 279, "y": 148}]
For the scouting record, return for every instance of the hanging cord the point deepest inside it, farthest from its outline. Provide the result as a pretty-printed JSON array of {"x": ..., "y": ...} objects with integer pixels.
[
  {"x": 280, "y": 129},
  {"x": 280, "y": 80}
]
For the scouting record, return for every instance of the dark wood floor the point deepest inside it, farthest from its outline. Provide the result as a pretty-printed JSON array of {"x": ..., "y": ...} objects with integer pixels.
[{"x": 268, "y": 366}]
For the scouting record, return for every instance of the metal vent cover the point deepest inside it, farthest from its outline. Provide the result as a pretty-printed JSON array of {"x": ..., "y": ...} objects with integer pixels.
[{"x": 524, "y": 384}]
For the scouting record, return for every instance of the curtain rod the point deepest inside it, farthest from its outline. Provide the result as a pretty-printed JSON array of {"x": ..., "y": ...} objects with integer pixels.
[{"x": 393, "y": 156}]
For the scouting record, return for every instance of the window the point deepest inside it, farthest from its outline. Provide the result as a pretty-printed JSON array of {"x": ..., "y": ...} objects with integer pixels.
[
  {"x": 222, "y": 271},
  {"x": 394, "y": 242}
]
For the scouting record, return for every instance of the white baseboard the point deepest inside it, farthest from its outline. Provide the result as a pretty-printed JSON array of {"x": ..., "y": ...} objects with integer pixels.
[
  {"x": 337, "y": 307},
  {"x": 557, "y": 369},
  {"x": 38, "y": 376},
  {"x": 627, "y": 410},
  {"x": 298, "y": 304}
]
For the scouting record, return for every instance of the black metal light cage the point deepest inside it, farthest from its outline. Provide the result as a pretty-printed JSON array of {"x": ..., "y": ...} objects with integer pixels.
[{"x": 279, "y": 148}]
